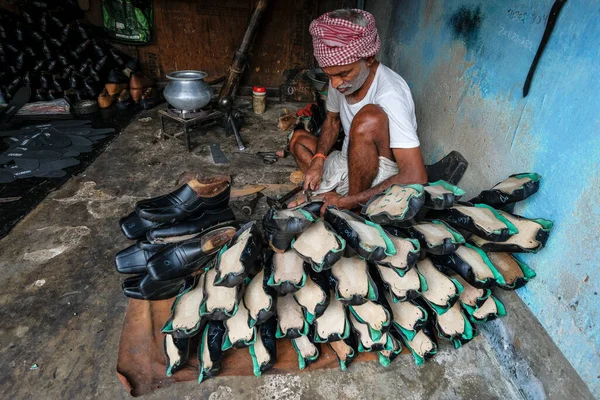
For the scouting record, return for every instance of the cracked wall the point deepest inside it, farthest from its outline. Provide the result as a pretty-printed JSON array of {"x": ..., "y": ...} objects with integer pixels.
[{"x": 466, "y": 62}]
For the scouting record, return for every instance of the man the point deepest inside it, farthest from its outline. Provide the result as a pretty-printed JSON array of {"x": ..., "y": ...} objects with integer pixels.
[{"x": 372, "y": 104}]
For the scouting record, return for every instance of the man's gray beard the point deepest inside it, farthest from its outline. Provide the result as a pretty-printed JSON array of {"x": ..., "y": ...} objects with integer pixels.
[{"x": 357, "y": 82}]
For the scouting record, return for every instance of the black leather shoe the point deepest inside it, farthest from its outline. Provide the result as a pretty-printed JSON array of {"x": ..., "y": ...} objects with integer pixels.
[
  {"x": 81, "y": 48},
  {"x": 45, "y": 80},
  {"x": 40, "y": 95},
  {"x": 116, "y": 76},
  {"x": 98, "y": 50},
  {"x": 116, "y": 56},
  {"x": 133, "y": 259},
  {"x": 35, "y": 35},
  {"x": 55, "y": 21},
  {"x": 39, "y": 66},
  {"x": 27, "y": 78},
  {"x": 100, "y": 64},
  {"x": 83, "y": 68},
  {"x": 190, "y": 199},
  {"x": 58, "y": 83},
  {"x": 55, "y": 94},
  {"x": 81, "y": 31},
  {"x": 182, "y": 259},
  {"x": 74, "y": 81},
  {"x": 56, "y": 43},
  {"x": 66, "y": 33},
  {"x": 190, "y": 227},
  {"x": 19, "y": 60},
  {"x": 142, "y": 287},
  {"x": 282, "y": 226},
  {"x": 27, "y": 17},
  {"x": 134, "y": 227},
  {"x": 47, "y": 51},
  {"x": 18, "y": 32}
]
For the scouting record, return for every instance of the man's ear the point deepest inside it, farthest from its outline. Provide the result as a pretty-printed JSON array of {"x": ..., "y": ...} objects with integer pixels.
[{"x": 369, "y": 60}]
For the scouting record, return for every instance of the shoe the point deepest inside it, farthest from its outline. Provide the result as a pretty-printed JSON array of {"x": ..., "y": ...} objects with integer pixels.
[
  {"x": 124, "y": 100},
  {"x": 116, "y": 76},
  {"x": 142, "y": 287},
  {"x": 138, "y": 81},
  {"x": 55, "y": 21},
  {"x": 19, "y": 61},
  {"x": 282, "y": 226},
  {"x": 95, "y": 76},
  {"x": 132, "y": 67},
  {"x": 56, "y": 43},
  {"x": 134, "y": 227},
  {"x": 91, "y": 88},
  {"x": 133, "y": 259},
  {"x": 45, "y": 80},
  {"x": 51, "y": 66},
  {"x": 182, "y": 259},
  {"x": 66, "y": 32},
  {"x": 55, "y": 94},
  {"x": 190, "y": 227},
  {"x": 105, "y": 100},
  {"x": 100, "y": 64},
  {"x": 81, "y": 31},
  {"x": 85, "y": 66},
  {"x": 81, "y": 48},
  {"x": 58, "y": 83},
  {"x": 19, "y": 35},
  {"x": 47, "y": 51},
  {"x": 40, "y": 95},
  {"x": 27, "y": 78},
  {"x": 36, "y": 36},
  {"x": 190, "y": 199},
  {"x": 150, "y": 99},
  {"x": 74, "y": 95},
  {"x": 39, "y": 66},
  {"x": 75, "y": 80},
  {"x": 27, "y": 17},
  {"x": 114, "y": 89},
  {"x": 43, "y": 23},
  {"x": 98, "y": 50},
  {"x": 115, "y": 56}
]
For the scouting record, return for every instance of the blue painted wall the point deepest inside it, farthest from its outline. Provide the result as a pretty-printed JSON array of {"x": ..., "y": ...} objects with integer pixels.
[{"x": 466, "y": 62}]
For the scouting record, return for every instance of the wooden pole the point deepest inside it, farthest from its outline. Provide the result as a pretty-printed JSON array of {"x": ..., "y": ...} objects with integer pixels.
[{"x": 240, "y": 59}]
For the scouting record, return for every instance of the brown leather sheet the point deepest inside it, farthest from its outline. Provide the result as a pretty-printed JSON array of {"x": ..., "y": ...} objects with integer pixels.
[{"x": 141, "y": 363}]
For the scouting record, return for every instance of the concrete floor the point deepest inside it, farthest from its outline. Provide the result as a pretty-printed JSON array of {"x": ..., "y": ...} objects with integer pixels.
[{"x": 61, "y": 307}]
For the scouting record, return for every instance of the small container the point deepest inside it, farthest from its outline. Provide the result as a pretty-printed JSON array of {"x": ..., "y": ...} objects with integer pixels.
[{"x": 259, "y": 99}]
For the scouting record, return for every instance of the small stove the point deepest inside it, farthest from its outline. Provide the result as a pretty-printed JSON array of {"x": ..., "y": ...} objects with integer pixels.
[{"x": 227, "y": 117}]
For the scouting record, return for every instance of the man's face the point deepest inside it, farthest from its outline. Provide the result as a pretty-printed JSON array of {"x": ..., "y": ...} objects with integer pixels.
[{"x": 347, "y": 79}]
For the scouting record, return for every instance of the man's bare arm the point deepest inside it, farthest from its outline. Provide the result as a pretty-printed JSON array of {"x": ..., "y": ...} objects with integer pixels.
[
  {"x": 329, "y": 134},
  {"x": 412, "y": 170}
]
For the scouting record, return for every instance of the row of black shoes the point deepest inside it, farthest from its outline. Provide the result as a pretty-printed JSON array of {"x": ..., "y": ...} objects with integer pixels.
[
  {"x": 54, "y": 54},
  {"x": 176, "y": 234}
]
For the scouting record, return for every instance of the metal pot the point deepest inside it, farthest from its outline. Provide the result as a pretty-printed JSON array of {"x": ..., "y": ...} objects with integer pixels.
[{"x": 187, "y": 90}]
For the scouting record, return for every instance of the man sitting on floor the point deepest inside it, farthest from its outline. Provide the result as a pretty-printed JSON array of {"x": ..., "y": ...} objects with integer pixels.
[{"x": 375, "y": 108}]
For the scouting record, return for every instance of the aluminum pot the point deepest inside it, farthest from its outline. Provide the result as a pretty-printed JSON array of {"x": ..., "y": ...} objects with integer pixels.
[{"x": 187, "y": 90}]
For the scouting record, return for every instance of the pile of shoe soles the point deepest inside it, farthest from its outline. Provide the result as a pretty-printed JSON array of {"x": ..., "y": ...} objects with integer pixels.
[{"x": 415, "y": 266}]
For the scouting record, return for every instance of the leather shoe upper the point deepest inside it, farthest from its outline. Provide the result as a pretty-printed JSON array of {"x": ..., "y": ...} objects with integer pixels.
[
  {"x": 190, "y": 199},
  {"x": 191, "y": 226},
  {"x": 134, "y": 227},
  {"x": 181, "y": 259}
]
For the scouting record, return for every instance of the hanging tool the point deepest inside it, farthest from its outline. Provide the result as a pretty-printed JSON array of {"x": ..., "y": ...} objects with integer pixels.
[{"x": 554, "y": 13}]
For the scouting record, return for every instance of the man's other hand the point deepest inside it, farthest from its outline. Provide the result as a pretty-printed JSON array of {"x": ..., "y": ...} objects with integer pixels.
[{"x": 329, "y": 199}]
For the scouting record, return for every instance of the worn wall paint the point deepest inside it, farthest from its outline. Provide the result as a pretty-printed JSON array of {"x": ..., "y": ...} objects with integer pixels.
[{"x": 466, "y": 62}]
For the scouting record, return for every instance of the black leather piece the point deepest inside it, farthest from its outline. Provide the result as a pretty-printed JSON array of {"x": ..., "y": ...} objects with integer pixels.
[
  {"x": 181, "y": 259},
  {"x": 142, "y": 287},
  {"x": 281, "y": 231},
  {"x": 133, "y": 259},
  {"x": 180, "y": 204},
  {"x": 193, "y": 225},
  {"x": 352, "y": 238},
  {"x": 251, "y": 258},
  {"x": 178, "y": 260},
  {"x": 134, "y": 227}
]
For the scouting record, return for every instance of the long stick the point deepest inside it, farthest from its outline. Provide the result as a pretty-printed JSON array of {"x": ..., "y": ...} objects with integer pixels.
[{"x": 238, "y": 65}]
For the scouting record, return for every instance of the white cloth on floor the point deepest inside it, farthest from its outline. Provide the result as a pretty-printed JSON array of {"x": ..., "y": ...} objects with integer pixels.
[{"x": 335, "y": 173}]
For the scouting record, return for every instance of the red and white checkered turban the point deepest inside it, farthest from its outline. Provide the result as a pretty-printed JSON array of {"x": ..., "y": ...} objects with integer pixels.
[{"x": 337, "y": 41}]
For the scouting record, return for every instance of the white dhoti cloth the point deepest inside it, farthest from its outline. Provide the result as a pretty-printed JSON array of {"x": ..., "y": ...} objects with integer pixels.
[{"x": 335, "y": 173}]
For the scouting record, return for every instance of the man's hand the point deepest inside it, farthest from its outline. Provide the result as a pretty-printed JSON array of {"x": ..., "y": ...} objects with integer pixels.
[
  {"x": 312, "y": 179},
  {"x": 330, "y": 199}
]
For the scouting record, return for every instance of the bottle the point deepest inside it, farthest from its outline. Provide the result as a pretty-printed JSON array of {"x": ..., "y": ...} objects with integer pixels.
[{"x": 259, "y": 99}]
